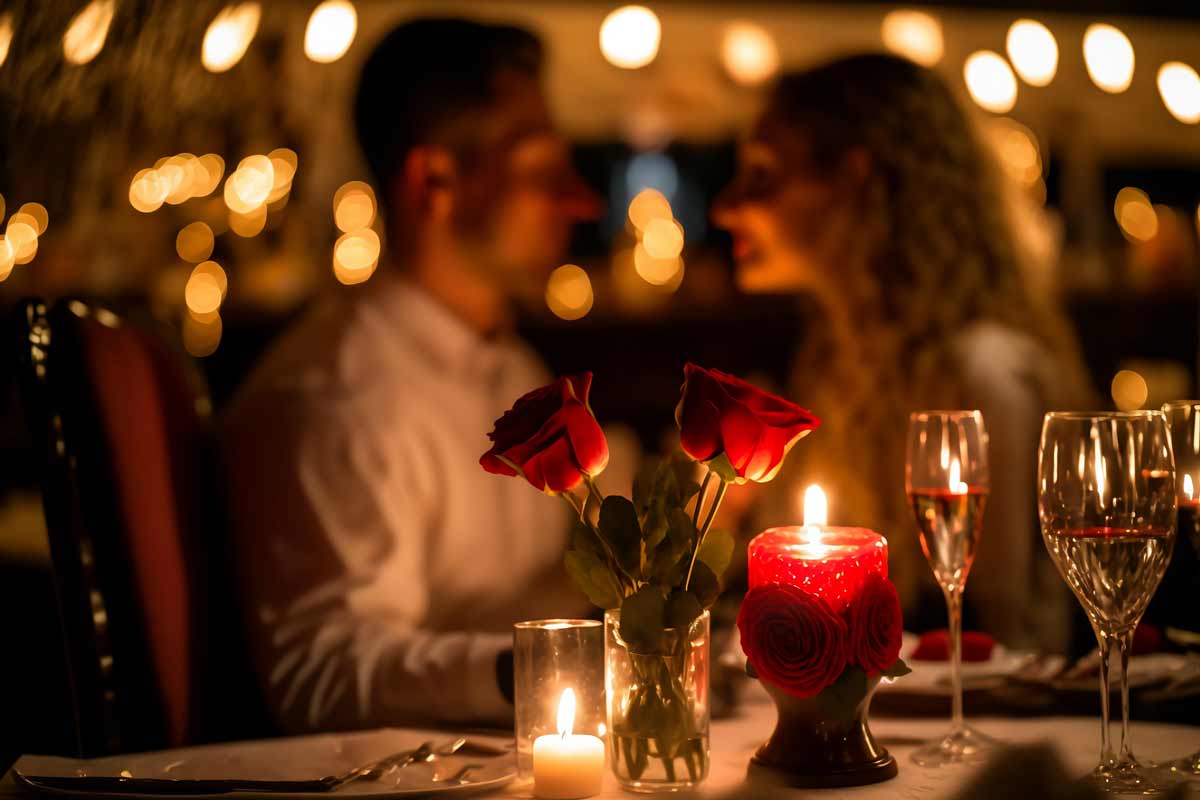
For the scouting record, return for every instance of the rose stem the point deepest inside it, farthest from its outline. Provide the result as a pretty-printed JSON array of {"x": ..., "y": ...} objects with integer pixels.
[
  {"x": 615, "y": 565},
  {"x": 708, "y": 521},
  {"x": 700, "y": 500}
]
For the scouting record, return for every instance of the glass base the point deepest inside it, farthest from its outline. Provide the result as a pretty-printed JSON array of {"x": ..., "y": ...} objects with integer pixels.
[
  {"x": 1132, "y": 778},
  {"x": 966, "y": 746},
  {"x": 1188, "y": 768}
]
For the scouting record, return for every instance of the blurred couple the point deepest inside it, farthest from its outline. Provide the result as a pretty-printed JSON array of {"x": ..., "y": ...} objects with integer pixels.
[{"x": 382, "y": 568}]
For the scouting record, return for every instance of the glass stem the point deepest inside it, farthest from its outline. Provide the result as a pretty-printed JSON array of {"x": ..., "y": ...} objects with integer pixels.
[
  {"x": 1125, "y": 645},
  {"x": 954, "y": 611},
  {"x": 1104, "y": 644}
]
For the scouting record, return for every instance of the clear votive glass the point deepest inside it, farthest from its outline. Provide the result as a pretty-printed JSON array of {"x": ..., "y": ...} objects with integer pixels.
[{"x": 549, "y": 657}]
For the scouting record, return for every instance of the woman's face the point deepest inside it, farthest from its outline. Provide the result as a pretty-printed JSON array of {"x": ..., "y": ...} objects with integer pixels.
[{"x": 776, "y": 207}]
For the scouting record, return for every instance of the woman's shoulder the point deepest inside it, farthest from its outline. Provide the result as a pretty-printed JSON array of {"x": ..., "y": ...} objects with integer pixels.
[{"x": 998, "y": 359}]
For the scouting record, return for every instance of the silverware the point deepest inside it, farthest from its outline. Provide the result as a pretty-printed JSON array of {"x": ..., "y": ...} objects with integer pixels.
[{"x": 459, "y": 778}]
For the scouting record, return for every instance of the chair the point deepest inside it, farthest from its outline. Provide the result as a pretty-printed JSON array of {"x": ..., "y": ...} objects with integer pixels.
[{"x": 150, "y": 634}]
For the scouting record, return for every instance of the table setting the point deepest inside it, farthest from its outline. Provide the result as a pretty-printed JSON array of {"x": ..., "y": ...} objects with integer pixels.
[{"x": 621, "y": 703}]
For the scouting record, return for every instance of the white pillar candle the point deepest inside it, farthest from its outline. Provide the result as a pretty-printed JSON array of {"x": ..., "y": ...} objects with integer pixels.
[{"x": 567, "y": 766}]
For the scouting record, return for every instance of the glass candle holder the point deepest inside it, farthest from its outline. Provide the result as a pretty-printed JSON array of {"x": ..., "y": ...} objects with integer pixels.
[{"x": 551, "y": 656}]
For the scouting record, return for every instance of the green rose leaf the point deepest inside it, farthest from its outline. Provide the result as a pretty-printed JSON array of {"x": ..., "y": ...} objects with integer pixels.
[
  {"x": 584, "y": 538},
  {"x": 716, "y": 550},
  {"x": 842, "y": 698},
  {"x": 619, "y": 526},
  {"x": 594, "y": 578},
  {"x": 643, "y": 615},
  {"x": 704, "y": 585},
  {"x": 644, "y": 485},
  {"x": 654, "y": 529},
  {"x": 897, "y": 670},
  {"x": 682, "y": 610},
  {"x": 724, "y": 469}
]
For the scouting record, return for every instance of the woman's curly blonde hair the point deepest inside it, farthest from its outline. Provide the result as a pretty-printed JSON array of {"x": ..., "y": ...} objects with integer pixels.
[{"x": 919, "y": 250}]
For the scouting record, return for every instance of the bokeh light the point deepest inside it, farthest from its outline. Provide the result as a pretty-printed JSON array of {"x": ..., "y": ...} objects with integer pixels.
[
  {"x": 7, "y": 258},
  {"x": 1179, "y": 86},
  {"x": 915, "y": 35},
  {"x": 353, "y": 206},
  {"x": 202, "y": 333},
  {"x": 569, "y": 292},
  {"x": 194, "y": 243},
  {"x": 647, "y": 205},
  {"x": 1135, "y": 215},
  {"x": 248, "y": 224},
  {"x": 656, "y": 271},
  {"x": 990, "y": 81},
  {"x": 284, "y": 163},
  {"x": 749, "y": 53},
  {"x": 1033, "y": 51},
  {"x": 205, "y": 288},
  {"x": 85, "y": 35},
  {"x": 35, "y": 211},
  {"x": 663, "y": 238},
  {"x": 1, "y": 206},
  {"x": 213, "y": 167},
  {"x": 6, "y": 35},
  {"x": 229, "y": 36},
  {"x": 629, "y": 37},
  {"x": 146, "y": 191},
  {"x": 355, "y": 256},
  {"x": 249, "y": 186},
  {"x": 1108, "y": 54},
  {"x": 22, "y": 236},
  {"x": 330, "y": 31},
  {"x": 1017, "y": 149},
  {"x": 1129, "y": 390}
]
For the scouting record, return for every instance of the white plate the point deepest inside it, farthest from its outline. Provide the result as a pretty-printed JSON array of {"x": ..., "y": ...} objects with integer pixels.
[{"x": 291, "y": 758}]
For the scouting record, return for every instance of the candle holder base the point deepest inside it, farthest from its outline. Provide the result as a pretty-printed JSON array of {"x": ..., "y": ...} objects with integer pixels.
[{"x": 812, "y": 748}]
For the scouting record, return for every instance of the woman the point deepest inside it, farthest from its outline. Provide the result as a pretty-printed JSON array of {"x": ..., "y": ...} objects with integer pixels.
[{"x": 865, "y": 188}]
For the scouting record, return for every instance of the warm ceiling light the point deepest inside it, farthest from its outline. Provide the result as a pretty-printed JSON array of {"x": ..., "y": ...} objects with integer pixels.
[
  {"x": 629, "y": 37},
  {"x": 330, "y": 31},
  {"x": 1033, "y": 52},
  {"x": 990, "y": 81},
  {"x": 1108, "y": 54},
  {"x": 1179, "y": 86},
  {"x": 569, "y": 292},
  {"x": 229, "y": 36},
  {"x": 913, "y": 34},
  {"x": 749, "y": 53},
  {"x": 6, "y": 35},
  {"x": 87, "y": 31}
]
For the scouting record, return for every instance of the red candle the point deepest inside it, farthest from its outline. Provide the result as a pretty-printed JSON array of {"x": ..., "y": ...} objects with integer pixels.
[{"x": 830, "y": 562}]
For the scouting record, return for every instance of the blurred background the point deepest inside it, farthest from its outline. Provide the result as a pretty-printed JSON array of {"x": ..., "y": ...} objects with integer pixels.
[{"x": 195, "y": 161}]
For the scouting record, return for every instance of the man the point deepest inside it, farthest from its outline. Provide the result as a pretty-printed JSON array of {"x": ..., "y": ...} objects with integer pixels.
[{"x": 381, "y": 566}]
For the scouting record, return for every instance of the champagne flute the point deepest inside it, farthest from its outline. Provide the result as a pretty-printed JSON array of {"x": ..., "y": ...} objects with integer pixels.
[
  {"x": 1183, "y": 417},
  {"x": 1106, "y": 498},
  {"x": 947, "y": 483}
]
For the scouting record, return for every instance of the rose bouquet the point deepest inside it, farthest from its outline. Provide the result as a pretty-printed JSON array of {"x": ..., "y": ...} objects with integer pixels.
[{"x": 654, "y": 556}]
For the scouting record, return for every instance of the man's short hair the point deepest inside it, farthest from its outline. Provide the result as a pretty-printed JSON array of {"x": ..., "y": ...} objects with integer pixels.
[{"x": 427, "y": 82}]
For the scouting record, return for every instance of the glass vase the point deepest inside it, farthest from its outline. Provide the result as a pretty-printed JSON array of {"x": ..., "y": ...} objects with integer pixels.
[{"x": 658, "y": 709}]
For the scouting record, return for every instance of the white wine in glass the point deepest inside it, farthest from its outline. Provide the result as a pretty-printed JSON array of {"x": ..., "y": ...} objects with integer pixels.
[
  {"x": 947, "y": 482},
  {"x": 1106, "y": 498}
]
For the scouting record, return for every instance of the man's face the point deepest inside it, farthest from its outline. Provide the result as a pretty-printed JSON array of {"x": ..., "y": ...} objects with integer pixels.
[{"x": 520, "y": 195}]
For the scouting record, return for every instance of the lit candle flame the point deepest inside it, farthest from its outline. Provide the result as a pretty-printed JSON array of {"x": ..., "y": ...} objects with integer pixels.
[
  {"x": 1188, "y": 489},
  {"x": 816, "y": 506},
  {"x": 566, "y": 713},
  {"x": 957, "y": 485}
]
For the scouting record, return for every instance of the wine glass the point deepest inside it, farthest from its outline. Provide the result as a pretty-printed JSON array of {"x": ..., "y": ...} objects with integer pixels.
[
  {"x": 1183, "y": 417},
  {"x": 947, "y": 482},
  {"x": 1106, "y": 498}
]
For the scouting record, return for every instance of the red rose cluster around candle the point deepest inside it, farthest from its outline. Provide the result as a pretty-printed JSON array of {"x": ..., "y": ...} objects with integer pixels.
[{"x": 829, "y": 562}]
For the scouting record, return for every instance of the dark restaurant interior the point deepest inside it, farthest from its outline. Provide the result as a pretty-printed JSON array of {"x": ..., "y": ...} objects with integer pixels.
[{"x": 197, "y": 172}]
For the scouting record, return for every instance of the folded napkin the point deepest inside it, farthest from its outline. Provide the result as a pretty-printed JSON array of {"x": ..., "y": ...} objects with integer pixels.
[{"x": 935, "y": 646}]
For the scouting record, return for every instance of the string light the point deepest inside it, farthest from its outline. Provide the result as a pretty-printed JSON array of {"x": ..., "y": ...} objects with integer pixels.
[
  {"x": 1108, "y": 54},
  {"x": 1033, "y": 51},
  {"x": 749, "y": 53},
  {"x": 915, "y": 35},
  {"x": 229, "y": 36},
  {"x": 990, "y": 81},
  {"x": 1179, "y": 86},
  {"x": 629, "y": 37},
  {"x": 330, "y": 31},
  {"x": 85, "y": 35},
  {"x": 569, "y": 292},
  {"x": 6, "y": 35}
]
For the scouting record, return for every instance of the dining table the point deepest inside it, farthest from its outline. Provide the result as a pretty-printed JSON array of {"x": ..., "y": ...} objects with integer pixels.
[{"x": 1074, "y": 739}]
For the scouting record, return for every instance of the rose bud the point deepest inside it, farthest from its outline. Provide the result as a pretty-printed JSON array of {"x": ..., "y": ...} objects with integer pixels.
[
  {"x": 550, "y": 437},
  {"x": 722, "y": 414}
]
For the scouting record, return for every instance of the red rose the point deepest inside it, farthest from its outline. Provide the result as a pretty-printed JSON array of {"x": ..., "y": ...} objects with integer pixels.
[
  {"x": 792, "y": 639},
  {"x": 876, "y": 625},
  {"x": 550, "y": 437},
  {"x": 722, "y": 414}
]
